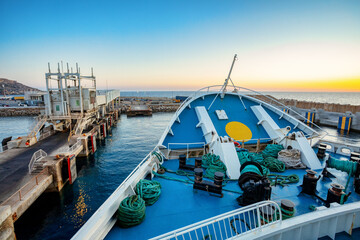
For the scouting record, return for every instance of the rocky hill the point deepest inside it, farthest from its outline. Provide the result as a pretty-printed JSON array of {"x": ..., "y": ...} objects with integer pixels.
[{"x": 13, "y": 87}]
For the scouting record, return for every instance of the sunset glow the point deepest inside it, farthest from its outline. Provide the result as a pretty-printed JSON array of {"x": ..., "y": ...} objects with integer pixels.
[{"x": 281, "y": 45}]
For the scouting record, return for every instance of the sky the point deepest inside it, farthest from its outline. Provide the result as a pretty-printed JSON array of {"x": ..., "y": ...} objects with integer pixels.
[{"x": 185, "y": 45}]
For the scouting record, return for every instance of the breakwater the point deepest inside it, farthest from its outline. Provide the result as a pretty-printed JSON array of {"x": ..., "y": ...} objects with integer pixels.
[
  {"x": 329, "y": 107},
  {"x": 20, "y": 111}
]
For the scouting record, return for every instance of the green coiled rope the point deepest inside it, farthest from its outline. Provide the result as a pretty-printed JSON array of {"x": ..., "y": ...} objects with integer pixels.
[
  {"x": 251, "y": 169},
  {"x": 149, "y": 190},
  {"x": 272, "y": 150},
  {"x": 273, "y": 164},
  {"x": 131, "y": 211},
  {"x": 268, "y": 164},
  {"x": 213, "y": 164},
  {"x": 159, "y": 157},
  {"x": 283, "y": 180},
  {"x": 246, "y": 157}
]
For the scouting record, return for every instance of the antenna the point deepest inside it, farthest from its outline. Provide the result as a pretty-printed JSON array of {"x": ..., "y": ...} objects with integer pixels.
[
  {"x": 92, "y": 72},
  {"x": 67, "y": 65},
  {"x": 77, "y": 69},
  {"x": 49, "y": 67},
  {"x": 58, "y": 67}
]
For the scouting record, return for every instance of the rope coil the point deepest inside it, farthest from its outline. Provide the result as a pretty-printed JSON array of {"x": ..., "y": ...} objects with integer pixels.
[
  {"x": 131, "y": 211},
  {"x": 291, "y": 158},
  {"x": 272, "y": 150},
  {"x": 148, "y": 190},
  {"x": 213, "y": 164}
]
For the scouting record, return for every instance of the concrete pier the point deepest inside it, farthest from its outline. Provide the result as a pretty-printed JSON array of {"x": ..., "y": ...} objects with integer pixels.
[
  {"x": 55, "y": 167},
  {"x": 20, "y": 189},
  {"x": 6, "y": 223}
]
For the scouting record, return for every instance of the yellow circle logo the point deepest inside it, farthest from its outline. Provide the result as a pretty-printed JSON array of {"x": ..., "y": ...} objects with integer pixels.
[{"x": 238, "y": 131}]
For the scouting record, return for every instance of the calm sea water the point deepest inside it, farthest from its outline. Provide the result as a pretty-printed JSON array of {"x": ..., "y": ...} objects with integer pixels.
[
  {"x": 352, "y": 98},
  {"x": 14, "y": 127}
]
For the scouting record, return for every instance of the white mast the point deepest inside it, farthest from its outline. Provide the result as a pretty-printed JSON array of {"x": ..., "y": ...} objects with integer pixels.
[
  {"x": 223, "y": 88},
  {"x": 228, "y": 78}
]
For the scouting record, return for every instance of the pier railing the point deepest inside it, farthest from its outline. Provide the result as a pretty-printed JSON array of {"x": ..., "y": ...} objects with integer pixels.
[
  {"x": 20, "y": 195},
  {"x": 46, "y": 135},
  {"x": 71, "y": 150},
  {"x": 37, "y": 156},
  {"x": 75, "y": 146},
  {"x": 231, "y": 224}
]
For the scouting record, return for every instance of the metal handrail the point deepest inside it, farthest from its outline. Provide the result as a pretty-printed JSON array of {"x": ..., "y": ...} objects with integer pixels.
[
  {"x": 46, "y": 135},
  {"x": 343, "y": 139},
  {"x": 19, "y": 194},
  {"x": 224, "y": 226},
  {"x": 75, "y": 146},
  {"x": 39, "y": 154},
  {"x": 39, "y": 122},
  {"x": 187, "y": 146},
  {"x": 71, "y": 150},
  {"x": 208, "y": 89}
]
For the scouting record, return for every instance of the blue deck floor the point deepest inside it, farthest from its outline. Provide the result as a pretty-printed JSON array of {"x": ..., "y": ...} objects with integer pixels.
[{"x": 180, "y": 205}]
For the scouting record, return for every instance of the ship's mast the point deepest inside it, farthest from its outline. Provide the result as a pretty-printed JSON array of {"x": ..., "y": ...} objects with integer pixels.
[
  {"x": 228, "y": 78},
  {"x": 223, "y": 88}
]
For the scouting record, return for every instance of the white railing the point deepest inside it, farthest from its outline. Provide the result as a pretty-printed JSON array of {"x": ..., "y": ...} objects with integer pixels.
[
  {"x": 75, "y": 146},
  {"x": 21, "y": 194},
  {"x": 39, "y": 122},
  {"x": 229, "y": 225},
  {"x": 187, "y": 146},
  {"x": 240, "y": 91},
  {"x": 46, "y": 135},
  {"x": 342, "y": 139},
  {"x": 236, "y": 89},
  {"x": 37, "y": 156},
  {"x": 324, "y": 222},
  {"x": 70, "y": 150}
]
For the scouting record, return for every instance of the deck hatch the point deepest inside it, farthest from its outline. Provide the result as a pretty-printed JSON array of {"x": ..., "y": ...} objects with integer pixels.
[{"x": 221, "y": 114}]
